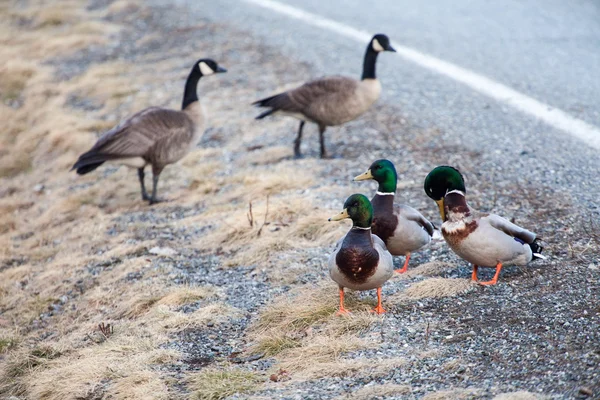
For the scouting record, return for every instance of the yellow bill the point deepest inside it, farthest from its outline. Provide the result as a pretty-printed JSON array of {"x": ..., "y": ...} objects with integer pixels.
[
  {"x": 364, "y": 177},
  {"x": 342, "y": 215},
  {"x": 440, "y": 204}
]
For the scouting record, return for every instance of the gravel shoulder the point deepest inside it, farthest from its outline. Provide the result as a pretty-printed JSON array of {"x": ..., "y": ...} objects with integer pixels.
[{"x": 207, "y": 300}]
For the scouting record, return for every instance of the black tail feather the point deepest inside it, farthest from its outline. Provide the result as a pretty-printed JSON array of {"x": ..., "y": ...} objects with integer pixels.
[
  {"x": 273, "y": 102},
  {"x": 89, "y": 161},
  {"x": 265, "y": 102},
  {"x": 88, "y": 168},
  {"x": 265, "y": 114},
  {"x": 536, "y": 249}
]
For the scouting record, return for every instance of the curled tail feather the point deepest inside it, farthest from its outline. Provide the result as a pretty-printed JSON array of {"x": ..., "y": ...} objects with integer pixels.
[{"x": 536, "y": 249}]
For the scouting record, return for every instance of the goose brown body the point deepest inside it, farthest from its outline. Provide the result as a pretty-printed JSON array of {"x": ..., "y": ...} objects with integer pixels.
[
  {"x": 330, "y": 101},
  {"x": 154, "y": 136}
]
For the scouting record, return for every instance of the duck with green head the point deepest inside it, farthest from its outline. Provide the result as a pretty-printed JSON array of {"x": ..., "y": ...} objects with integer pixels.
[
  {"x": 402, "y": 228},
  {"x": 486, "y": 240},
  {"x": 360, "y": 260}
]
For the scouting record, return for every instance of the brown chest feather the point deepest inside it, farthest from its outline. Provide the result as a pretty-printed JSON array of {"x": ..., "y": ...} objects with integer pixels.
[
  {"x": 384, "y": 225},
  {"x": 357, "y": 259},
  {"x": 455, "y": 236},
  {"x": 385, "y": 221}
]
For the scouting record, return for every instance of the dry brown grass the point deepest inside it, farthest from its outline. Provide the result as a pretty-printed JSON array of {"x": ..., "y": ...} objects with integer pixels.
[
  {"x": 520, "y": 395},
  {"x": 306, "y": 336},
  {"x": 439, "y": 287},
  {"x": 377, "y": 392},
  {"x": 216, "y": 384},
  {"x": 431, "y": 268},
  {"x": 454, "y": 394}
]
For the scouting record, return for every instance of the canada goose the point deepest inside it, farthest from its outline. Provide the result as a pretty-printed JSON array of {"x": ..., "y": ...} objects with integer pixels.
[
  {"x": 485, "y": 240},
  {"x": 330, "y": 101},
  {"x": 155, "y": 135},
  {"x": 402, "y": 228},
  {"x": 360, "y": 260}
]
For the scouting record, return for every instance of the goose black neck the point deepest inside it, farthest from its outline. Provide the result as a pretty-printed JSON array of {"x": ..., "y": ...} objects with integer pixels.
[
  {"x": 191, "y": 85},
  {"x": 369, "y": 63}
]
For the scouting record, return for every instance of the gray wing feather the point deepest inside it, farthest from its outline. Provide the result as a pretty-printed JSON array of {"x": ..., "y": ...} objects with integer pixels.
[
  {"x": 303, "y": 98},
  {"x": 413, "y": 215},
  {"x": 139, "y": 133},
  {"x": 511, "y": 229},
  {"x": 377, "y": 240}
]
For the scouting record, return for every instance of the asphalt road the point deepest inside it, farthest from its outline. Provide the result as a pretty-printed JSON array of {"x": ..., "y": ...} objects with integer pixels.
[{"x": 544, "y": 49}]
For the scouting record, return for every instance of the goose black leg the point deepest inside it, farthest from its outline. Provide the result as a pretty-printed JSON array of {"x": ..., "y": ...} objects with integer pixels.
[
  {"x": 298, "y": 140},
  {"x": 322, "y": 141},
  {"x": 141, "y": 177},
  {"x": 155, "y": 174}
]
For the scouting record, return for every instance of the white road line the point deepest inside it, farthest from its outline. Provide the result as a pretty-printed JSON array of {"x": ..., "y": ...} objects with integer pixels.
[{"x": 554, "y": 117}]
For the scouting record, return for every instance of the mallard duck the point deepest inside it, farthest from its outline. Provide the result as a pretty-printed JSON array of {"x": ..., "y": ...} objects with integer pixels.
[
  {"x": 402, "y": 228},
  {"x": 360, "y": 260},
  {"x": 330, "y": 101},
  {"x": 485, "y": 240},
  {"x": 154, "y": 136}
]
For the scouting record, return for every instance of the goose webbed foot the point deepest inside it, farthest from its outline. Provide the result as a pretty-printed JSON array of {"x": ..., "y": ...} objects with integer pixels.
[
  {"x": 155, "y": 200},
  {"x": 326, "y": 156}
]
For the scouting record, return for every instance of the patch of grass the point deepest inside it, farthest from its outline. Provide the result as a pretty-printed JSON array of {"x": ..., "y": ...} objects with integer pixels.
[
  {"x": 37, "y": 306},
  {"x": 7, "y": 344},
  {"x": 306, "y": 336},
  {"x": 213, "y": 384},
  {"x": 298, "y": 312},
  {"x": 438, "y": 287},
  {"x": 186, "y": 295},
  {"x": 22, "y": 363},
  {"x": 521, "y": 395},
  {"x": 320, "y": 355},
  {"x": 13, "y": 79},
  {"x": 11, "y": 166},
  {"x": 376, "y": 391},
  {"x": 272, "y": 345},
  {"x": 454, "y": 394}
]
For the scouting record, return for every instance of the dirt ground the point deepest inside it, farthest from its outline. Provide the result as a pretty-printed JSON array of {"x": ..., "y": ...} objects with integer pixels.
[{"x": 223, "y": 290}]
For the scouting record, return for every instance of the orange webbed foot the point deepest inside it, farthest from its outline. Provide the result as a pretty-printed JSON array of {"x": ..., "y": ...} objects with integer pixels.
[
  {"x": 405, "y": 267},
  {"x": 342, "y": 312},
  {"x": 495, "y": 278},
  {"x": 378, "y": 310}
]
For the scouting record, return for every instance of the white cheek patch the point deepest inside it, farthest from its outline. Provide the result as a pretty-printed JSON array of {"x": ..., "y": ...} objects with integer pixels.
[
  {"x": 376, "y": 46},
  {"x": 205, "y": 69}
]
